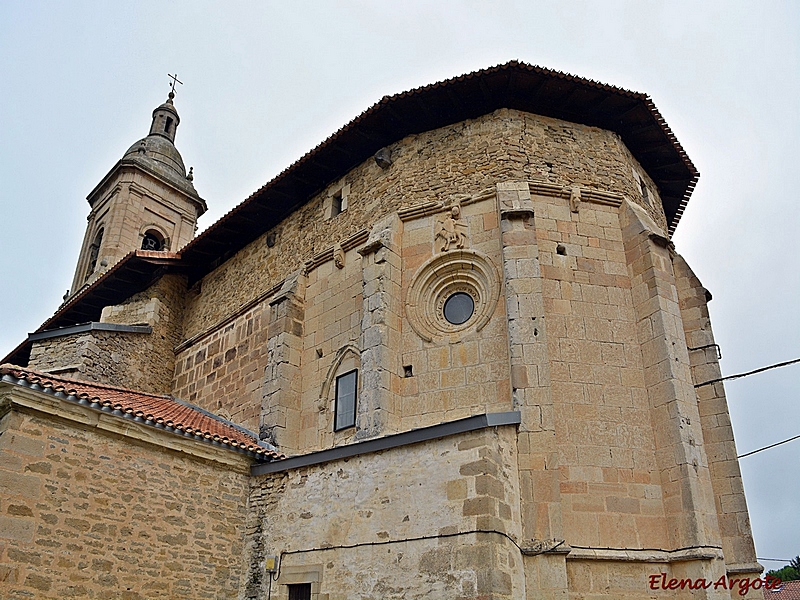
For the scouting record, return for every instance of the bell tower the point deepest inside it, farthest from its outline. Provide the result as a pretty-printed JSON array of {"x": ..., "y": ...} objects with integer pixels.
[{"x": 146, "y": 201}]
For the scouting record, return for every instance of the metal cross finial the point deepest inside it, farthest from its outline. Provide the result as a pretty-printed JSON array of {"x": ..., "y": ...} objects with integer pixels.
[{"x": 174, "y": 81}]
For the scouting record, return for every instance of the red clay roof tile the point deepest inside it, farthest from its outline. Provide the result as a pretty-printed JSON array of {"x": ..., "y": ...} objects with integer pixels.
[
  {"x": 153, "y": 408},
  {"x": 788, "y": 590}
]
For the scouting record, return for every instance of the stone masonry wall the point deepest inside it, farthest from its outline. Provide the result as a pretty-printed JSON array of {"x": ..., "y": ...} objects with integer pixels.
[
  {"x": 458, "y": 374},
  {"x": 734, "y": 521},
  {"x": 333, "y": 300},
  {"x": 226, "y": 357},
  {"x": 131, "y": 360},
  {"x": 436, "y": 165},
  {"x": 610, "y": 487},
  {"x": 91, "y": 516},
  {"x": 430, "y": 490},
  {"x": 224, "y": 371}
]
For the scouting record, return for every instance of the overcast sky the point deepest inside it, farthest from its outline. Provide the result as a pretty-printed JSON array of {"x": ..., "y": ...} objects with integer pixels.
[{"x": 266, "y": 81}]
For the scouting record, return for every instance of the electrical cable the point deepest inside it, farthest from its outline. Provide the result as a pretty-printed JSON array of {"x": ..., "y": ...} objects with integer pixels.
[
  {"x": 648, "y": 549},
  {"x": 768, "y": 447},
  {"x": 523, "y": 551},
  {"x": 739, "y": 375},
  {"x": 774, "y": 559}
]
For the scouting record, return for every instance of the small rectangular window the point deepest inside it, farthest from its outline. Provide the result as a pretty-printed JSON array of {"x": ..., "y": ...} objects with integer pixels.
[
  {"x": 645, "y": 195},
  {"x": 346, "y": 387},
  {"x": 336, "y": 202},
  {"x": 336, "y": 206},
  {"x": 300, "y": 591}
]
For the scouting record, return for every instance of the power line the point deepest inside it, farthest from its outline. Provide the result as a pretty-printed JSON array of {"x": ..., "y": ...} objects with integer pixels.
[
  {"x": 768, "y": 447},
  {"x": 737, "y": 376},
  {"x": 774, "y": 559}
]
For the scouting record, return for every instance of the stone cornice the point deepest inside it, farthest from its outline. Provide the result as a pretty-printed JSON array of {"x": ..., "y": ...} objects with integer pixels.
[
  {"x": 646, "y": 555},
  {"x": 537, "y": 188}
]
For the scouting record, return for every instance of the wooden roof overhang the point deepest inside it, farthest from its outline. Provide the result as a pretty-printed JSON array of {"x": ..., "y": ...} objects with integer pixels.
[
  {"x": 513, "y": 85},
  {"x": 133, "y": 273}
]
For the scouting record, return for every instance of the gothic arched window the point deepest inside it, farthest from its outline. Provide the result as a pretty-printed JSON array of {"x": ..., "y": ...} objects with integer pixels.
[
  {"x": 94, "y": 252},
  {"x": 152, "y": 240}
]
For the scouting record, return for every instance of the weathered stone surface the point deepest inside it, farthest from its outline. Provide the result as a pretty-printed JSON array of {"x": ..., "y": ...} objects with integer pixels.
[
  {"x": 115, "y": 519},
  {"x": 138, "y": 361},
  {"x": 583, "y": 319},
  {"x": 390, "y": 498}
]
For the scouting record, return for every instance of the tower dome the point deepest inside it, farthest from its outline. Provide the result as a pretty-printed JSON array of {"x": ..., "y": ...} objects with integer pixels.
[
  {"x": 157, "y": 151},
  {"x": 146, "y": 202}
]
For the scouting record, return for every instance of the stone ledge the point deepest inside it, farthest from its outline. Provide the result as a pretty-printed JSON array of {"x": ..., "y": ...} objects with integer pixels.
[
  {"x": 646, "y": 555},
  {"x": 740, "y": 568}
]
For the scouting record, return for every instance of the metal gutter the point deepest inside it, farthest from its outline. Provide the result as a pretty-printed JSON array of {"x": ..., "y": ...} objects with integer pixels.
[{"x": 388, "y": 442}]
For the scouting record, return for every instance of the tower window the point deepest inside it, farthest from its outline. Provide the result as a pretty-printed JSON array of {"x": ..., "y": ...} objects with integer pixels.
[
  {"x": 168, "y": 124},
  {"x": 346, "y": 386},
  {"x": 94, "y": 252},
  {"x": 152, "y": 240}
]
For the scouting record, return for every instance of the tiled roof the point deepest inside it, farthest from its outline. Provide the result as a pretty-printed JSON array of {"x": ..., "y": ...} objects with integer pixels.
[
  {"x": 788, "y": 590},
  {"x": 162, "y": 412},
  {"x": 516, "y": 85},
  {"x": 513, "y": 85}
]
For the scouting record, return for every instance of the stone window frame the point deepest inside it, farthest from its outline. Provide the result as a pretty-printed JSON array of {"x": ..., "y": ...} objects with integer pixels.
[
  {"x": 94, "y": 247},
  {"x": 467, "y": 271},
  {"x": 302, "y": 574},
  {"x": 351, "y": 416},
  {"x": 346, "y": 359},
  {"x": 336, "y": 202},
  {"x": 157, "y": 229}
]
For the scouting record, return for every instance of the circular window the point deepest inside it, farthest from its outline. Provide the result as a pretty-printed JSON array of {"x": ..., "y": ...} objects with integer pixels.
[
  {"x": 452, "y": 292},
  {"x": 458, "y": 308}
]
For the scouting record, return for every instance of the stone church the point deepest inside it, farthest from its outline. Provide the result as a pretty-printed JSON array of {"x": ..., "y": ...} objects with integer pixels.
[{"x": 451, "y": 353}]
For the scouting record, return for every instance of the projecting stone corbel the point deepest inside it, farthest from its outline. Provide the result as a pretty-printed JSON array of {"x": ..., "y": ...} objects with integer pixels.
[
  {"x": 338, "y": 256},
  {"x": 382, "y": 236},
  {"x": 514, "y": 200},
  {"x": 293, "y": 286},
  {"x": 575, "y": 199}
]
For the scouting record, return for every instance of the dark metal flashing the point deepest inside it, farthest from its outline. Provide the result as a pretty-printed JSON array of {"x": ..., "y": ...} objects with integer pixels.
[
  {"x": 388, "y": 442},
  {"x": 84, "y": 327}
]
